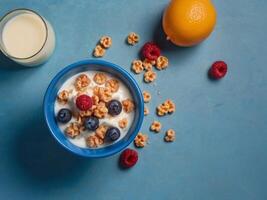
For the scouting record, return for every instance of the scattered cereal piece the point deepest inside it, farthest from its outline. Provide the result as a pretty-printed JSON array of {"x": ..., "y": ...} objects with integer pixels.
[
  {"x": 147, "y": 65},
  {"x": 82, "y": 82},
  {"x": 171, "y": 105},
  {"x": 73, "y": 129},
  {"x": 146, "y": 96},
  {"x": 106, "y": 41},
  {"x": 150, "y": 76},
  {"x": 146, "y": 111},
  {"x": 123, "y": 123},
  {"x": 100, "y": 78},
  {"x": 104, "y": 94},
  {"x": 99, "y": 51},
  {"x": 170, "y": 135},
  {"x": 140, "y": 140},
  {"x": 101, "y": 131},
  {"x": 166, "y": 107},
  {"x": 137, "y": 66},
  {"x": 128, "y": 105},
  {"x": 162, "y": 63},
  {"x": 93, "y": 141},
  {"x": 100, "y": 110},
  {"x": 113, "y": 84},
  {"x": 133, "y": 38},
  {"x": 155, "y": 126},
  {"x": 63, "y": 97}
]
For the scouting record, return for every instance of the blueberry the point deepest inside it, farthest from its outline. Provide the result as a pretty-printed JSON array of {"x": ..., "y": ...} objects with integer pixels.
[
  {"x": 91, "y": 123},
  {"x": 64, "y": 115},
  {"x": 112, "y": 134},
  {"x": 114, "y": 107}
]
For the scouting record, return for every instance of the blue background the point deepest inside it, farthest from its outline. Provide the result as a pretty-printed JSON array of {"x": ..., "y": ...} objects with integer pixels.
[{"x": 221, "y": 147}]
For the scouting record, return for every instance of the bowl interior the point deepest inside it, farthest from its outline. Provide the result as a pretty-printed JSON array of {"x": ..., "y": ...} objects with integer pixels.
[{"x": 93, "y": 65}]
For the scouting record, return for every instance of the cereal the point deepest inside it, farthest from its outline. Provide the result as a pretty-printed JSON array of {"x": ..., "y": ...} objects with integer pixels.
[
  {"x": 95, "y": 99},
  {"x": 162, "y": 63},
  {"x": 150, "y": 76},
  {"x": 133, "y": 38},
  {"x": 147, "y": 65},
  {"x": 128, "y": 105},
  {"x": 146, "y": 111},
  {"x": 100, "y": 110},
  {"x": 155, "y": 126},
  {"x": 99, "y": 51},
  {"x": 74, "y": 129},
  {"x": 100, "y": 78},
  {"x": 82, "y": 82},
  {"x": 137, "y": 66},
  {"x": 140, "y": 140},
  {"x": 171, "y": 105},
  {"x": 63, "y": 97},
  {"x": 170, "y": 135},
  {"x": 93, "y": 141},
  {"x": 166, "y": 107},
  {"x": 113, "y": 84},
  {"x": 146, "y": 96},
  {"x": 101, "y": 131},
  {"x": 106, "y": 41},
  {"x": 123, "y": 123},
  {"x": 104, "y": 94},
  {"x": 86, "y": 113}
]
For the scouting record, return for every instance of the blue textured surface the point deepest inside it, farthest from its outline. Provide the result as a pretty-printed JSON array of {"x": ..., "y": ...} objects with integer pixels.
[{"x": 221, "y": 147}]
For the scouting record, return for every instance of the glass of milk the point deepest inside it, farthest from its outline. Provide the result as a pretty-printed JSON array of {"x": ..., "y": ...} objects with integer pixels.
[{"x": 26, "y": 37}]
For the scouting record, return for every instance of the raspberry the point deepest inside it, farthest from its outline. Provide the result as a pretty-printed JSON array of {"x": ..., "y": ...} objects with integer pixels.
[
  {"x": 128, "y": 158},
  {"x": 218, "y": 70},
  {"x": 84, "y": 102},
  {"x": 150, "y": 51}
]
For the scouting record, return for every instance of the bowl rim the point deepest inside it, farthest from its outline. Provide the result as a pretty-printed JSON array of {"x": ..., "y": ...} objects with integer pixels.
[{"x": 115, "y": 67}]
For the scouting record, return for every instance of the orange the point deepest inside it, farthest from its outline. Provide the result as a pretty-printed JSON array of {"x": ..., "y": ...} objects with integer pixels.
[{"x": 189, "y": 22}]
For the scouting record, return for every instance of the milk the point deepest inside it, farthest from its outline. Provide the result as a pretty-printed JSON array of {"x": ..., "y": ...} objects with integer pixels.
[{"x": 27, "y": 38}]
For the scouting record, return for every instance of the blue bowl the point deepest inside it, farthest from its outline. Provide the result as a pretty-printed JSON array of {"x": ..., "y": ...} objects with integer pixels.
[{"x": 99, "y": 65}]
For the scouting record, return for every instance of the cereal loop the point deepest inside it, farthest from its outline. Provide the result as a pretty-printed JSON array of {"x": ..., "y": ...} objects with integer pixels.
[
  {"x": 82, "y": 82},
  {"x": 63, "y": 97},
  {"x": 100, "y": 78},
  {"x": 93, "y": 141},
  {"x": 150, "y": 76},
  {"x": 73, "y": 130},
  {"x": 113, "y": 84},
  {"x": 146, "y": 96},
  {"x": 140, "y": 140},
  {"x": 137, "y": 66},
  {"x": 128, "y": 105},
  {"x": 123, "y": 123},
  {"x": 155, "y": 126},
  {"x": 162, "y": 63},
  {"x": 170, "y": 135},
  {"x": 99, "y": 51},
  {"x": 106, "y": 41},
  {"x": 133, "y": 38}
]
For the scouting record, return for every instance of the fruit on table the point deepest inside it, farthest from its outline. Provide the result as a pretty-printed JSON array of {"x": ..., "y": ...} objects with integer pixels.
[
  {"x": 128, "y": 158},
  {"x": 189, "y": 22},
  {"x": 150, "y": 51},
  {"x": 64, "y": 115},
  {"x": 91, "y": 123},
  {"x": 218, "y": 70}
]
